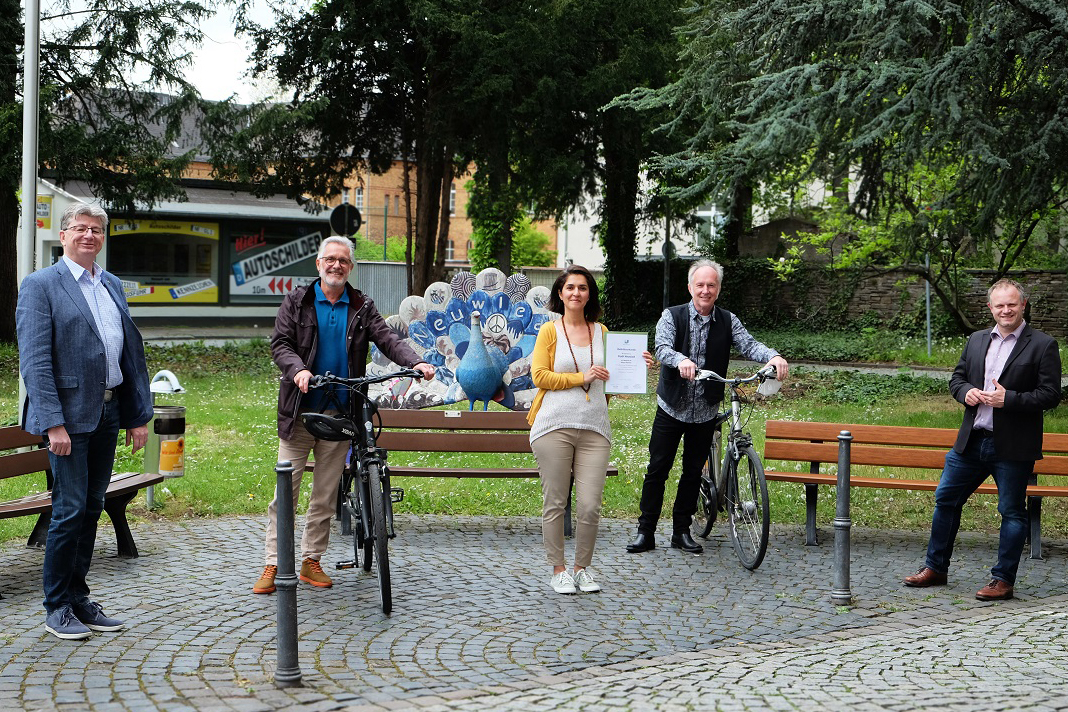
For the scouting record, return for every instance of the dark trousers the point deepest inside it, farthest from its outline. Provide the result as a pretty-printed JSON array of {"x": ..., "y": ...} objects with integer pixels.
[
  {"x": 961, "y": 476},
  {"x": 81, "y": 483},
  {"x": 663, "y": 445}
]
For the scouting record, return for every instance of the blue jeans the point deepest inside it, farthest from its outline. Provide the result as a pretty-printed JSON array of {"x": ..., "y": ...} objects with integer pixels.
[
  {"x": 81, "y": 483},
  {"x": 962, "y": 475}
]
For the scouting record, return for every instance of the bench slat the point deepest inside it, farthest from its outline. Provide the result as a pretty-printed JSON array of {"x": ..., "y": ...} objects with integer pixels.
[
  {"x": 903, "y": 484},
  {"x": 865, "y": 434},
  {"x": 23, "y": 463},
  {"x": 468, "y": 472},
  {"x": 454, "y": 419},
  {"x": 409, "y": 441},
  {"x": 13, "y": 437},
  {"x": 121, "y": 483},
  {"x": 858, "y": 454}
]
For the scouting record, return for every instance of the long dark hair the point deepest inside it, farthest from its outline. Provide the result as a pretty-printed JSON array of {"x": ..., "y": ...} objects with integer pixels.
[{"x": 592, "y": 310}]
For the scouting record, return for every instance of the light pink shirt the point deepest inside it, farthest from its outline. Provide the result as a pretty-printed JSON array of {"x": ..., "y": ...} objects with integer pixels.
[{"x": 996, "y": 356}]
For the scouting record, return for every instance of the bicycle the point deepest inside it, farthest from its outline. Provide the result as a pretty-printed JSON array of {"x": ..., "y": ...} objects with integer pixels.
[
  {"x": 733, "y": 478},
  {"x": 366, "y": 498}
]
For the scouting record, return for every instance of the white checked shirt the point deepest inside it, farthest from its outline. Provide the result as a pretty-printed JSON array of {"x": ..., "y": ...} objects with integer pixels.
[
  {"x": 105, "y": 313},
  {"x": 997, "y": 354}
]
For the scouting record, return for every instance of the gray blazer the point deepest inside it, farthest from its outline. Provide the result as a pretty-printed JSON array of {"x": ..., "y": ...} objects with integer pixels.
[{"x": 61, "y": 356}]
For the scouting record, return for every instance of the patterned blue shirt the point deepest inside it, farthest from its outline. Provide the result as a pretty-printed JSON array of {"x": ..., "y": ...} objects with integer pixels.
[
  {"x": 331, "y": 354},
  {"x": 693, "y": 409},
  {"x": 105, "y": 314}
]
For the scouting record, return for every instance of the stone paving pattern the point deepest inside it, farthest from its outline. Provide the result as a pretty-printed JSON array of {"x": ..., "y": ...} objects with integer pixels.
[{"x": 476, "y": 626}]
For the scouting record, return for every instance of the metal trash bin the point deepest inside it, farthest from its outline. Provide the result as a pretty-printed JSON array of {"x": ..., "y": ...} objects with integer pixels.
[{"x": 165, "y": 450}]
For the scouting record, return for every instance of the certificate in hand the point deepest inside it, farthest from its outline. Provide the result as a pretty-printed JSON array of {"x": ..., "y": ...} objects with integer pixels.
[{"x": 624, "y": 361}]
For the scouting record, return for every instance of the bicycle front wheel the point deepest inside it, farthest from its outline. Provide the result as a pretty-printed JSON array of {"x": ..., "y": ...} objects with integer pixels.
[
  {"x": 747, "y": 507},
  {"x": 378, "y": 493},
  {"x": 711, "y": 489}
]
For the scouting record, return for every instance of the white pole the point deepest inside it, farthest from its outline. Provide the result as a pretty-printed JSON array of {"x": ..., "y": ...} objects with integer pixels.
[{"x": 31, "y": 91}]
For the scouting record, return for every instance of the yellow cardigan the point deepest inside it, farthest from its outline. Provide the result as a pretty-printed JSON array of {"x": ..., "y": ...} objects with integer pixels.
[{"x": 541, "y": 367}]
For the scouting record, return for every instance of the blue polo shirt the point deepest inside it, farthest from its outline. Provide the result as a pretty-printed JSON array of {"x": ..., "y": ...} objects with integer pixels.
[{"x": 331, "y": 355}]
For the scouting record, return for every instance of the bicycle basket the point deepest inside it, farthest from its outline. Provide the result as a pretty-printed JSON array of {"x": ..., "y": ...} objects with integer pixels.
[{"x": 329, "y": 427}]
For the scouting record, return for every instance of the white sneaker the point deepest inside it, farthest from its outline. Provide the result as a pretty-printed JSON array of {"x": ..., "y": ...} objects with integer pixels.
[
  {"x": 563, "y": 583},
  {"x": 585, "y": 582}
]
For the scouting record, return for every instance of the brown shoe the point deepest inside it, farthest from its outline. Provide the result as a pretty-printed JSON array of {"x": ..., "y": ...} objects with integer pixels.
[
  {"x": 311, "y": 572},
  {"x": 996, "y": 590},
  {"x": 925, "y": 577},
  {"x": 266, "y": 581}
]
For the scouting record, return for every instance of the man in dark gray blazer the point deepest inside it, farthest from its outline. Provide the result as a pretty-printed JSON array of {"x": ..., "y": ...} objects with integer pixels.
[
  {"x": 1006, "y": 378},
  {"x": 83, "y": 362}
]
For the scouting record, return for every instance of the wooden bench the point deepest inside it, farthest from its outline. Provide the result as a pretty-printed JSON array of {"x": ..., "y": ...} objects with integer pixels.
[
  {"x": 891, "y": 446},
  {"x": 121, "y": 491},
  {"x": 502, "y": 432}
]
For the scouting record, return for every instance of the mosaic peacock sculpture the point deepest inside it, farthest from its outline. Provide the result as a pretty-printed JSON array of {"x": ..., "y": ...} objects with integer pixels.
[{"x": 478, "y": 331}]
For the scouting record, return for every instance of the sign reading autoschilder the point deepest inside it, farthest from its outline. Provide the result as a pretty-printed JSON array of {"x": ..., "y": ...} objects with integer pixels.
[{"x": 277, "y": 258}]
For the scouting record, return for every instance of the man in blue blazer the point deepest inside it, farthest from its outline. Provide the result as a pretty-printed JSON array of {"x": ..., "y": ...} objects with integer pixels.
[
  {"x": 1006, "y": 378},
  {"x": 83, "y": 362}
]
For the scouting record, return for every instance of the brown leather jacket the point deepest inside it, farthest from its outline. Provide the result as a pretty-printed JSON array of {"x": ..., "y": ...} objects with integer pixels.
[{"x": 296, "y": 335}]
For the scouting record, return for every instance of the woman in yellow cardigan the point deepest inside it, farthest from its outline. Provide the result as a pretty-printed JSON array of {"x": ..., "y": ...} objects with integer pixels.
[{"x": 570, "y": 433}]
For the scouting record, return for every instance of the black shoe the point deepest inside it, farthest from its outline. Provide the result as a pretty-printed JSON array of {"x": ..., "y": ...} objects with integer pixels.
[
  {"x": 642, "y": 542},
  {"x": 683, "y": 540}
]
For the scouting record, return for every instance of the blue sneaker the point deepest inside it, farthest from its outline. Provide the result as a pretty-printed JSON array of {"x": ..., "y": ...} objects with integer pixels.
[
  {"x": 91, "y": 614},
  {"x": 63, "y": 624}
]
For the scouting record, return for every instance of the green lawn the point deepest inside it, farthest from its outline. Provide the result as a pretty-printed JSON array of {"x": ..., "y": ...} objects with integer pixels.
[{"x": 232, "y": 447}]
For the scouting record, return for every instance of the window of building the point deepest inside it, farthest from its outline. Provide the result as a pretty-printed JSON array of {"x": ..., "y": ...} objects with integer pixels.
[
  {"x": 449, "y": 249},
  {"x": 452, "y": 199},
  {"x": 396, "y": 205},
  {"x": 357, "y": 198}
]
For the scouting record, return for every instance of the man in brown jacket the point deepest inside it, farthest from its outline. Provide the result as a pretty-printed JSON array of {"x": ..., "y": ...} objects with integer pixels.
[{"x": 325, "y": 326}]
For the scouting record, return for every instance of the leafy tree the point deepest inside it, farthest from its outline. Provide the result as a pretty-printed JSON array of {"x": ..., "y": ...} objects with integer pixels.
[
  {"x": 946, "y": 121},
  {"x": 530, "y": 248},
  {"x": 368, "y": 251},
  {"x": 98, "y": 123}
]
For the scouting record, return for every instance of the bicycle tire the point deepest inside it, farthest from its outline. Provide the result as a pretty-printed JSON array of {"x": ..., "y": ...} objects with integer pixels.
[
  {"x": 747, "y": 508},
  {"x": 379, "y": 534},
  {"x": 709, "y": 501},
  {"x": 366, "y": 536}
]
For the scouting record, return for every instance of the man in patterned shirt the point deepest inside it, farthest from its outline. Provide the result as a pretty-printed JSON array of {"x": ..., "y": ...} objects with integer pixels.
[{"x": 697, "y": 332}]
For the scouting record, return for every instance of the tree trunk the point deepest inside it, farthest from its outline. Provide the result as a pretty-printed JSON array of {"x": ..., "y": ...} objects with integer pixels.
[
  {"x": 9, "y": 236},
  {"x": 408, "y": 224},
  {"x": 618, "y": 229},
  {"x": 739, "y": 217},
  {"x": 443, "y": 223},
  {"x": 11, "y": 35}
]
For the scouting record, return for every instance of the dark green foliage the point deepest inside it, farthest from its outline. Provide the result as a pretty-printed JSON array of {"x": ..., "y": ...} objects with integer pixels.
[
  {"x": 941, "y": 127},
  {"x": 97, "y": 123},
  {"x": 872, "y": 389}
]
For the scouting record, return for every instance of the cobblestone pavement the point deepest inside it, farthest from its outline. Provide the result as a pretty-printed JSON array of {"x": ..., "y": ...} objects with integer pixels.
[{"x": 475, "y": 625}]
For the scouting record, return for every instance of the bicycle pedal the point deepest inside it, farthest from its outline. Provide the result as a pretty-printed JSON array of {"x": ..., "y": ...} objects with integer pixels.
[
  {"x": 396, "y": 494},
  {"x": 345, "y": 565}
]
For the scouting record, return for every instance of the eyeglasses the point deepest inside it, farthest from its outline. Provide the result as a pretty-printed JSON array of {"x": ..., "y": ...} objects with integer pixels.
[
  {"x": 82, "y": 229},
  {"x": 345, "y": 262}
]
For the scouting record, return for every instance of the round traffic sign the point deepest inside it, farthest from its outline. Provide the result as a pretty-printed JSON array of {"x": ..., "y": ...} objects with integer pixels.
[{"x": 345, "y": 219}]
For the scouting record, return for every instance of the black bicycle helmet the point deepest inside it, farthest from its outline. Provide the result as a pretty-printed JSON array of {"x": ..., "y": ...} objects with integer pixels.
[{"x": 329, "y": 427}]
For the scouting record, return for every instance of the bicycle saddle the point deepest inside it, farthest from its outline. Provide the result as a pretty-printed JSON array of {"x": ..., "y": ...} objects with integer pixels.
[{"x": 329, "y": 427}]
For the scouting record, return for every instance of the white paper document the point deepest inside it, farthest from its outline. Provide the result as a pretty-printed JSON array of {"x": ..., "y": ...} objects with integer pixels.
[{"x": 624, "y": 361}]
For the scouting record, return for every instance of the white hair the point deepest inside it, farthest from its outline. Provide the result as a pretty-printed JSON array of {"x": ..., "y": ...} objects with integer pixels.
[
  {"x": 337, "y": 240},
  {"x": 705, "y": 263}
]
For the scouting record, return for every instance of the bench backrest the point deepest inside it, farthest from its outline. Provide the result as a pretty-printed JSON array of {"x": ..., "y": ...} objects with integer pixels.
[
  {"x": 14, "y": 464},
  {"x": 890, "y": 446},
  {"x": 436, "y": 431}
]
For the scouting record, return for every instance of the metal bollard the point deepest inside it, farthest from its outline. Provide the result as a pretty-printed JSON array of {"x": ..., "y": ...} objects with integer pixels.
[
  {"x": 840, "y": 594},
  {"x": 287, "y": 672}
]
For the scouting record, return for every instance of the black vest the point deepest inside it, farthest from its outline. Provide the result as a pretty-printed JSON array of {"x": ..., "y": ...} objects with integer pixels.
[{"x": 672, "y": 386}]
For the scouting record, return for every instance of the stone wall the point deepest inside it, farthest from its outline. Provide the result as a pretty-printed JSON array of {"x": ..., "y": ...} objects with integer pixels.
[{"x": 819, "y": 300}]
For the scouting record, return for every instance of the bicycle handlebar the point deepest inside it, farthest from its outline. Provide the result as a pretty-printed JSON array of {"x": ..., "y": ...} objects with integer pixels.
[
  {"x": 328, "y": 378},
  {"x": 761, "y": 375}
]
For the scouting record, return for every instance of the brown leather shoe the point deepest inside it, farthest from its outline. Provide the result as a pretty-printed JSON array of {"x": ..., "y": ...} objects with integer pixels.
[
  {"x": 996, "y": 590},
  {"x": 925, "y": 577}
]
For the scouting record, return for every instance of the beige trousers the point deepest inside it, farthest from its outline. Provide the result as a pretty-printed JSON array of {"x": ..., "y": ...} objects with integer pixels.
[
  {"x": 329, "y": 463},
  {"x": 560, "y": 454}
]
